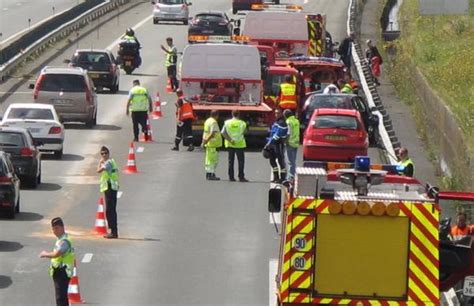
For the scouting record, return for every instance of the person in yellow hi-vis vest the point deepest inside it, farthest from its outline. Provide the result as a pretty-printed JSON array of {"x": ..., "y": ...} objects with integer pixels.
[
  {"x": 62, "y": 261},
  {"x": 234, "y": 134},
  {"x": 288, "y": 96},
  {"x": 109, "y": 185},
  {"x": 139, "y": 103},
  {"x": 211, "y": 140}
]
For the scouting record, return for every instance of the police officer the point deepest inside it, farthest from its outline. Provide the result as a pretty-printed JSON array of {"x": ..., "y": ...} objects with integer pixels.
[
  {"x": 408, "y": 167},
  {"x": 139, "y": 104},
  {"x": 109, "y": 185},
  {"x": 276, "y": 147},
  {"x": 62, "y": 261},
  {"x": 211, "y": 140},
  {"x": 171, "y": 61},
  {"x": 288, "y": 96},
  {"x": 184, "y": 122},
  {"x": 233, "y": 132},
  {"x": 293, "y": 141}
]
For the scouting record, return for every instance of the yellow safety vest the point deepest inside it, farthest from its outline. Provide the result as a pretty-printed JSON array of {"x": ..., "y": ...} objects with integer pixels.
[
  {"x": 216, "y": 140},
  {"x": 65, "y": 260},
  {"x": 287, "y": 96},
  {"x": 294, "y": 128},
  {"x": 405, "y": 164},
  {"x": 139, "y": 101},
  {"x": 105, "y": 178},
  {"x": 169, "y": 56},
  {"x": 235, "y": 128}
]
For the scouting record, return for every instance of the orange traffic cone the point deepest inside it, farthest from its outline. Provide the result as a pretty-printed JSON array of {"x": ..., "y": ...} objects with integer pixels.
[
  {"x": 169, "y": 89},
  {"x": 131, "y": 164},
  {"x": 73, "y": 292},
  {"x": 100, "y": 227},
  {"x": 156, "y": 114},
  {"x": 149, "y": 137}
]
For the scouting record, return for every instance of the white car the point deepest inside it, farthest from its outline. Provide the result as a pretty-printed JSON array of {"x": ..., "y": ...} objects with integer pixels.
[
  {"x": 171, "y": 10},
  {"x": 41, "y": 120}
]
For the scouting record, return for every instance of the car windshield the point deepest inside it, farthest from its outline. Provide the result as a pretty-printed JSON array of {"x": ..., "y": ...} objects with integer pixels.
[
  {"x": 330, "y": 101},
  {"x": 336, "y": 122},
  {"x": 9, "y": 139},
  {"x": 63, "y": 82},
  {"x": 171, "y": 2},
  {"x": 30, "y": 113},
  {"x": 210, "y": 18},
  {"x": 91, "y": 58}
]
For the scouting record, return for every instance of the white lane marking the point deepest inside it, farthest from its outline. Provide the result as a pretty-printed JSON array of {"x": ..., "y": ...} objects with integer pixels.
[
  {"x": 135, "y": 27},
  {"x": 276, "y": 216},
  {"x": 272, "y": 289},
  {"x": 87, "y": 258},
  {"x": 140, "y": 149},
  {"x": 119, "y": 194}
]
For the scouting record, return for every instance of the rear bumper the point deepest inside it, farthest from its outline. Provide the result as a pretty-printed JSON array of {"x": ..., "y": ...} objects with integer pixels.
[
  {"x": 51, "y": 144},
  {"x": 332, "y": 153},
  {"x": 162, "y": 16},
  {"x": 103, "y": 79},
  {"x": 26, "y": 168},
  {"x": 72, "y": 117}
]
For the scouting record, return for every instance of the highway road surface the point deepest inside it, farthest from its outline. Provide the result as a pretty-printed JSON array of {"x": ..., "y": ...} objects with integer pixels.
[{"x": 183, "y": 240}]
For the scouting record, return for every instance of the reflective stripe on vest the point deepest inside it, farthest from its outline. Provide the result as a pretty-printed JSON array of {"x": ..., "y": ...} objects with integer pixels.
[
  {"x": 235, "y": 128},
  {"x": 287, "y": 96},
  {"x": 216, "y": 140},
  {"x": 294, "y": 129},
  {"x": 65, "y": 260},
  {"x": 105, "y": 178},
  {"x": 139, "y": 101},
  {"x": 186, "y": 111},
  {"x": 405, "y": 164}
]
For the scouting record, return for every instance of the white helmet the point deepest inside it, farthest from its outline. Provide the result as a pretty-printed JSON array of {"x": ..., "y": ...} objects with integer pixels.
[{"x": 331, "y": 88}]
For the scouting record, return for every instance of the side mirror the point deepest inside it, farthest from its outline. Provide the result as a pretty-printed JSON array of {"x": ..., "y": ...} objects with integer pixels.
[
  {"x": 67, "y": 61},
  {"x": 274, "y": 200},
  {"x": 31, "y": 86}
]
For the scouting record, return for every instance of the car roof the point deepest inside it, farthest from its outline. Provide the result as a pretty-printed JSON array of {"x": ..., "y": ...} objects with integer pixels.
[
  {"x": 63, "y": 70},
  {"x": 31, "y": 105},
  {"x": 13, "y": 129},
  {"x": 337, "y": 111},
  {"x": 342, "y": 95}
]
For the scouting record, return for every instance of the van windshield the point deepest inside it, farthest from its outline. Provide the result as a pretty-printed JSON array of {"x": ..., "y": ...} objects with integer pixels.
[
  {"x": 62, "y": 82},
  {"x": 30, "y": 113}
]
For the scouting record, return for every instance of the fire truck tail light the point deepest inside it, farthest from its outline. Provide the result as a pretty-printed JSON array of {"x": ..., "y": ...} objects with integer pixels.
[
  {"x": 335, "y": 208},
  {"x": 378, "y": 209},
  {"x": 393, "y": 210},
  {"x": 349, "y": 208},
  {"x": 363, "y": 208}
]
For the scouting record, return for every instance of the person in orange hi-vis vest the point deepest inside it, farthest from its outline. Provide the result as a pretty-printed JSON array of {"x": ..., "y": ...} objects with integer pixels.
[
  {"x": 288, "y": 96},
  {"x": 461, "y": 229},
  {"x": 184, "y": 121}
]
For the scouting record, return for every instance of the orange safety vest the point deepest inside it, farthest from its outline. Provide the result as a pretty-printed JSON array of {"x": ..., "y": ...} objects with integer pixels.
[
  {"x": 287, "y": 96},
  {"x": 186, "y": 111},
  {"x": 459, "y": 233}
]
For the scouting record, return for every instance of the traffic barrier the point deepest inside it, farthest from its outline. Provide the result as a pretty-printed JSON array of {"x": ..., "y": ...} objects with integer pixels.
[
  {"x": 73, "y": 292},
  {"x": 169, "y": 89},
  {"x": 149, "y": 137},
  {"x": 157, "y": 114},
  {"x": 131, "y": 163},
  {"x": 100, "y": 227}
]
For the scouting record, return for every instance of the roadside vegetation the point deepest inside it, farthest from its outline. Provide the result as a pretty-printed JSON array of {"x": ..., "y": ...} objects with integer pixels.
[{"x": 442, "y": 47}]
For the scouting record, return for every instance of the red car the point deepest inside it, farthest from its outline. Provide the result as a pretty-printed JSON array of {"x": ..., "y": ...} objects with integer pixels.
[{"x": 335, "y": 135}]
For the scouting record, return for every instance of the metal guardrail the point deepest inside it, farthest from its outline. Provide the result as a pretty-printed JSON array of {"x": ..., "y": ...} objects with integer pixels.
[
  {"x": 386, "y": 132},
  {"x": 59, "y": 33}
]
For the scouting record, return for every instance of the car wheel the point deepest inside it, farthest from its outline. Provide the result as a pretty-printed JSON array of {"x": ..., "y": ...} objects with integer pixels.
[
  {"x": 91, "y": 123},
  {"x": 58, "y": 154},
  {"x": 17, "y": 207},
  {"x": 186, "y": 22},
  {"x": 11, "y": 213},
  {"x": 38, "y": 179},
  {"x": 155, "y": 21},
  {"x": 115, "y": 88},
  {"x": 33, "y": 182}
]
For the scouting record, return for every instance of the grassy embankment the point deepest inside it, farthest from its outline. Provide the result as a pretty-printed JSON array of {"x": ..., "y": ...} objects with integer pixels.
[{"x": 442, "y": 47}]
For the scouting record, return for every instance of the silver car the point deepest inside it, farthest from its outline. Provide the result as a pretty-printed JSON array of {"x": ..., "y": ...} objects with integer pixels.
[
  {"x": 70, "y": 91},
  {"x": 171, "y": 10}
]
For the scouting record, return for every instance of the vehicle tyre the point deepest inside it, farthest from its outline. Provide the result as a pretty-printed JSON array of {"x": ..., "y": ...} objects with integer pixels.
[
  {"x": 58, "y": 154},
  {"x": 155, "y": 21},
  {"x": 38, "y": 179},
  {"x": 11, "y": 213},
  {"x": 91, "y": 123},
  {"x": 115, "y": 88},
  {"x": 186, "y": 22},
  {"x": 33, "y": 182},
  {"x": 17, "y": 207}
]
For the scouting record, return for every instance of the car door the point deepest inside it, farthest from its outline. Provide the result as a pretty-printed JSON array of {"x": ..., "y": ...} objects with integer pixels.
[
  {"x": 359, "y": 104},
  {"x": 15, "y": 179}
]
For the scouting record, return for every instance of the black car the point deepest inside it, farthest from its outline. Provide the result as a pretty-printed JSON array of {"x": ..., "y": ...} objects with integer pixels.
[
  {"x": 24, "y": 154},
  {"x": 344, "y": 101},
  {"x": 100, "y": 65},
  {"x": 210, "y": 23},
  {"x": 9, "y": 187}
]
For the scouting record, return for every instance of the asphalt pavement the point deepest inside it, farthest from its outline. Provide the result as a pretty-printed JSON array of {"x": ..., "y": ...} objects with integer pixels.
[{"x": 183, "y": 240}]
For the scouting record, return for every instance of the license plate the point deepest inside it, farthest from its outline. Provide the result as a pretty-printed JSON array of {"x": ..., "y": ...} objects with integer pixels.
[
  {"x": 94, "y": 75},
  {"x": 34, "y": 130},
  {"x": 207, "y": 31},
  {"x": 128, "y": 63},
  {"x": 335, "y": 137},
  {"x": 468, "y": 288}
]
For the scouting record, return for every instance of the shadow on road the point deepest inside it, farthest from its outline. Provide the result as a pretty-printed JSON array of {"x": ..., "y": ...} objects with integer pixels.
[
  {"x": 28, "y": 216},
  {"x": 100, "y": 127},
  {"x": 65, "y": 157},
  {"x": 5, "y": 281},
  {"x": 139, "y": 239},
  {"x": 48, "y": 187},
  {"x": 10, "y": 246}
]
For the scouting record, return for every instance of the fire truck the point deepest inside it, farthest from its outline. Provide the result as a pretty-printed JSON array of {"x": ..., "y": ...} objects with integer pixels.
[
  {"x": 359, "y": 234},
  {"x": 224, "y": 77}
]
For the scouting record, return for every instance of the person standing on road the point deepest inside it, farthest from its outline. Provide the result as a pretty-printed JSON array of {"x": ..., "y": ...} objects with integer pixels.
[
  {"x": 293, "y": 141},
  {"x": 62, "y": 261},
  {"x": 345, "y": 50},
  {"x": 374, "y": 58},
  {"x": 109, "y": 185},
  {"x": 139, "y": 104},
  {"x": 171, "y": 61},
  {"x": 234, "y": 134},
  {"x": 276, "y": 147},
  {"x": 287, "y": 98},
  {"x": 211, "y": 140},
  {"x": 184, "y": 123},
  {"x": 408, "y": 168}
]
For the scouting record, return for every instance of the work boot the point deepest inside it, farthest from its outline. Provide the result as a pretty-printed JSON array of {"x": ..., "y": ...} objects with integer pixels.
[
  {"x": 213, "y": 177},
  {"x": 175, "y": 148},
  {"x": 191, "y": 148},
  {"x": 111, "y": 236}
]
